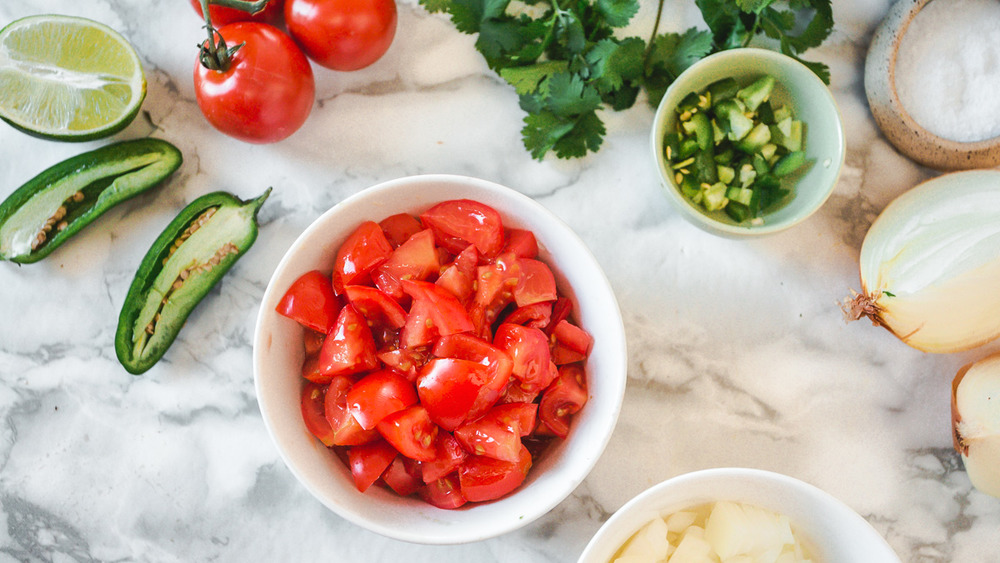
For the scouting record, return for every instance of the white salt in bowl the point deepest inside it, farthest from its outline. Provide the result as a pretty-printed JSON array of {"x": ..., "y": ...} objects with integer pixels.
[
  {"x": 829, "y": 529},
  {"x": 278, "y": 355},
  {"x": 898, "y": 126}
]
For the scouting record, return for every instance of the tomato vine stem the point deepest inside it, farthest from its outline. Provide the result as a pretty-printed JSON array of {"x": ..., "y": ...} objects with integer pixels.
[{"x": 215, "y": 55}]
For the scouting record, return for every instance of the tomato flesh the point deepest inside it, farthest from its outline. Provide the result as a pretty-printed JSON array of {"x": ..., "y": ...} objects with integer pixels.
[
  {"x": 369, "y": 461},
  {"x": 468, "y": 221},
  {"x": 484, "y": 478},
  {"x": 350, "y": 347},
  {"x": 412, "y": 433},
  {"x": 563, "y": 398},
  {"x": 377, "y": 395},
  {"x": 361, "y": 253},
  {"x": 310, "y": 302},
  {"x": 313, "y": 412}
]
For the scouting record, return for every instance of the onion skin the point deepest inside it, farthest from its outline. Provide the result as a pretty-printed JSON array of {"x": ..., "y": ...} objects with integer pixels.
[
  {"x": 930, "y": 264},
  {"x": 975, "y": 418}
]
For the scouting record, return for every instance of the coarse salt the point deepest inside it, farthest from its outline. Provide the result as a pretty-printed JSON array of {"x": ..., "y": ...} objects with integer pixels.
[{"x": 948, "y": 69}]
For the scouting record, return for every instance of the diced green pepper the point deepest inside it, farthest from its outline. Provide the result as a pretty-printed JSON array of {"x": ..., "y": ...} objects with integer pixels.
[
  {"x": 757, "y": 92},
  {"x": 723, "y": 89},
  {"x": 789, "y": 163},
  {"x": 753, "y": 141}
]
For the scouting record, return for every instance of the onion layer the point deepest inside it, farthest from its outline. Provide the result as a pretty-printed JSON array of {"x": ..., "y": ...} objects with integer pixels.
[
  {"x": 975, "y": 415},
  {"x": 930, "y": 264}
]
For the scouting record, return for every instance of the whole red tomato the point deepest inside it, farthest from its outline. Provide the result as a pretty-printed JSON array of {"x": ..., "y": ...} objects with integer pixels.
[
  {"x": 267, "y": 91},
  {"x": 342, "y": 34},
  {"x": 222, "y": 15}
]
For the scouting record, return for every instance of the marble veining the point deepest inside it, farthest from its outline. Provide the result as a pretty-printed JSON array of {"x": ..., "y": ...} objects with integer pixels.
[{"x": 738, "y": 352}]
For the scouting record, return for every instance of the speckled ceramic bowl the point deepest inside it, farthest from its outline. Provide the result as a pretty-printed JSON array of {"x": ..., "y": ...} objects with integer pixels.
[
  {"x": 896, "y": 124},
  {"x": 278, "y": 355},
  {"x": 810, "y": 101},
  {"x": 832, "y": 531}
]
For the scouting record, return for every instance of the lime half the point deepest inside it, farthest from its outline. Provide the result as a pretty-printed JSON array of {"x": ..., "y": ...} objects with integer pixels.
[{"x": 68, "y": 78}]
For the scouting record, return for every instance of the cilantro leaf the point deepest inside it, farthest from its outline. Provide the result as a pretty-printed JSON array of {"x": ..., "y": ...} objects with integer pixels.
[
  {"x": 586, "y": 135},
  {"x": 542, "y": 130},
  {"x": 526, "y": 79},
  {"x": 613, "y": 63},
  {"x": 569, "y": 96},
  {"x": 436, "y": 6},
  {"x": 617, "y": 13},
  {"x": 753, "y": 6}
]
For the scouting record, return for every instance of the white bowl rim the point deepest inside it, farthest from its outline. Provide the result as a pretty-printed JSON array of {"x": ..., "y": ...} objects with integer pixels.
[
  {"x": 608, "y": 540},
  {"x": 730, "y": 230},
  {"x": 561, "y": 488}
]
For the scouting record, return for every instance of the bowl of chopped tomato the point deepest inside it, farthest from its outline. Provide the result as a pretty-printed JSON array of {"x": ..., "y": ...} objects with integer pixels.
[{"x": 439, "y": 359}]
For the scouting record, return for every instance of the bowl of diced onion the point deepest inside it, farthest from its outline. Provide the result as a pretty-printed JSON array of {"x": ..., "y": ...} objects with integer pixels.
[{"x": 736, "y": 514}]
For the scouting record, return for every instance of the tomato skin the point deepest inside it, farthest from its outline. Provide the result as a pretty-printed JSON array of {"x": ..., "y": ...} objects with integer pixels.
[
  {"x": 562, "y": 399},
  {"x": 415, "y": 259},
  {"x": 571, "y": 343},
  {"x": 529, "y": 349},
  {"x": 522, "y": 243},
  {"x": 376, "y": 306},
  {"x": 411, "y": 432},
  {"x": 448, "y": 456},
  {"x": 222, "y": 15},
  {"x": 342, "y": 34},
  {"x": 400, "y": 227},
  {"x": 313, "y": 410},
  {"x": 403, "y": 476},
  {"x": 310, "y": 302},
  {"x": 369, "y": 461},
  {"x": 535, "y": 283},
  {"x": 346, "y": 430},
  {"x": 443, "y": 493},
  {"x": 361, "y": 253},
  {"x": 377, "y": 395},
  {"x": 407, "y": 362},
  {"x": 268, "y": 90},
  {"x": 350, "y": 347},
  {"x": 536, "y": 315},
  {"x": 484, "y": 478},
  {"x": 498, "y": 433},
  {"x": 454, "y": 391},
  {"x": 467, "y": 220}
]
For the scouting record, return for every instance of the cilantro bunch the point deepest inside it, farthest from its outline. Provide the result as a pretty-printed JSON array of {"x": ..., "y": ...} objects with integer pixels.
[{"x": 566, "y": 64}]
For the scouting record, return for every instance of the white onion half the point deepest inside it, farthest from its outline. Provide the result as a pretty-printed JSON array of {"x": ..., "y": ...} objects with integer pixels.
[
  {"x": 930, "y": 264},
  {"x": 975, "y": 415}
]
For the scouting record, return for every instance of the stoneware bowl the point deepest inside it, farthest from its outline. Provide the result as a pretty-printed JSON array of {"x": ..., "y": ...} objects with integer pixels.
[
  {"x": 810, "y": 101},
  {"x": 278, "y": 355},
  {"x": 833, "y": 532},
  {"x": 896, "y": 124}
]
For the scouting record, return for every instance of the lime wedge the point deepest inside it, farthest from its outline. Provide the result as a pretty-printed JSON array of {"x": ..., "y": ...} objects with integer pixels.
[{"x": 68, "y": 78}]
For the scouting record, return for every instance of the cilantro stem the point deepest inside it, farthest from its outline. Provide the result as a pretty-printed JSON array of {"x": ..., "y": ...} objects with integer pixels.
[{"x": 652, "y": 36}]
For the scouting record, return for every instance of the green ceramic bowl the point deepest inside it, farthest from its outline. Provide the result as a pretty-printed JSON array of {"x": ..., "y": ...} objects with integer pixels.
[{"x": 810, "y": 101}]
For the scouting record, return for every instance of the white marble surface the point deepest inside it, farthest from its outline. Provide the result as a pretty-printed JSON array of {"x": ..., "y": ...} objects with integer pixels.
[{"x": 738, "y": 352}]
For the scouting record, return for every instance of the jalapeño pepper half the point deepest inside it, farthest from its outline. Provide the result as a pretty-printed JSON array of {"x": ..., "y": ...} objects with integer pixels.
[
  {"x": 184, "y": 263},
  {"x": 51, "y": 207}
]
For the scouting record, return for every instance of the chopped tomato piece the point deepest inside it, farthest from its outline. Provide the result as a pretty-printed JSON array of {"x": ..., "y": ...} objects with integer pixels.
[
  {"x": 313, "y": 341},
  {"x": 346, "y": 429},
  {"x": 406, "y": 361},
  {"x": 467, "y": 220},
  {"x": 415, "y": 259},
  {"x": 570, "y": 343},
  {"x": 484, "y": 478},
  {"x": 369, "y": 461},
  {"x": 350, "y": 347},
  {"x": 448, "y": 456},
  {"x": 494, "y": 291},
  {"x": 403, "y": 476},
  {"x": 443, "y": 493},
  {"x": 377, "y": 307},
  {"x": 434, "y": 312},
  {"x": 529, "y": 349},
  {"x": 312, "y": 404},
  {"x": 310, "y": 371},
  {"x": 564, "y": 398},
  {"x": 560, "y": 311},
  {"x": 459, "y": 278},
  {"x": 522, "y": 243},
  {"x": 310, "y": 302},
  {"x": 399, "y": 227},
  {"x": 379, "y": 394},
  {"x": 515, "y": 392},
  {"x": 535, "y": 283},
  {"x": 411, "y": 431},
  {"x": 498, "y": 433},
  {"x": 361, "y": 253},
  {"x": 536, "y": 315},
  {"x": 454, "y": 391}
]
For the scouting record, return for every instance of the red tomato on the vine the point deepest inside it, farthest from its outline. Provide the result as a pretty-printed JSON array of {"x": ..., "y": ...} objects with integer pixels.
[
  {"x": 222, "y": 15},
  {"x": 342, "y": 34},
  {"x": 267, "y": 91}
]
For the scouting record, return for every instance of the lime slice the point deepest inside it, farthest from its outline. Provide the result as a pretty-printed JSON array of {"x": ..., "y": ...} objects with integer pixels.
[{"x": 68, "y": 78}]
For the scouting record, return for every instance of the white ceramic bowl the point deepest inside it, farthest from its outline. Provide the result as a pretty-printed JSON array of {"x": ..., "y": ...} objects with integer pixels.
[
  {"x": 278, "y": 355},
  {"x": 833, "y": 532},
  {"x": 810, "y": 101}
]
